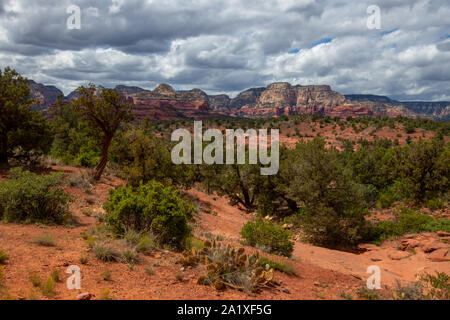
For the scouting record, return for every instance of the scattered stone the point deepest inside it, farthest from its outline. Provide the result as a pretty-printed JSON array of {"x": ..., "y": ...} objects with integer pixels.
[
  {"x": 288, "y": 226},
  {"x": 443, "y": 234},
  {"x": 157, "y": 256},
  {"x": 439, "y": 255},
  {"x": 408, "y": 244},
  {"x": 357, "y": 276},
  {"x": 367, "y": 247},
  {"x": 374, "y": 259},
  {"x": 433, "y": 247},
  {"x": 85, "y": 296},
  {"x": 182, "y": 269},
  {"x": 286, "y": 290},
  {"x": 399, "y": 255}
]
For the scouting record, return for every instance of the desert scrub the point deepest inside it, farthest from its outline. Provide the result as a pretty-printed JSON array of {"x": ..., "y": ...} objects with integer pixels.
[
  {"x": 3, "y": 257},
  {"x": 106, "y": 253},
  {"x": 408, "y": 221},
  {"x": 81, "y": 180},
  {"x": 368, "y": 294},
  {"x": 45, "y": 240},
  {"x": 280, "y": 266},
  {"x": 268, "y": 237},
  {"x": 228, "y": 267},
  {"x": 437, "y": 287},
  {"x": 48, "y": 287},
  {"x": 152, "y": 208},
  {"x": 30, "y": 198}
]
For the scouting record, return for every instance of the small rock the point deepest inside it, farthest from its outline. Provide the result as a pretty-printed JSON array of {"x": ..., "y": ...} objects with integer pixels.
[
  {"x": 439, "y": 255},
  {"x": 285, "y": 290},
  {"x": 357, "y": 276},
  {"x": 157, "y": 256},
  {"x": 408, "y": 244},
  {"x": 443, "y": 234},
  {"x": 182, "y": 269},
  {"x": 85, "y": 296},
  {"x": 287, "y": 226},
  {"x": 433, "y": 247},
  {"x": 367, "y": 247},
  {"x": 399, "y": 255},
  {"x": 374, "y": 259}
]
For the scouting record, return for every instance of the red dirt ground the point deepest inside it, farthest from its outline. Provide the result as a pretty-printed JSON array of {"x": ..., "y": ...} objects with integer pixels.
[{"x": 321, "y": 273}]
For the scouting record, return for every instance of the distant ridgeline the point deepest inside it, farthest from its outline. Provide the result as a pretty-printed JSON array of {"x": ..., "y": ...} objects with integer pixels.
[{"x": 166, "y": 104}]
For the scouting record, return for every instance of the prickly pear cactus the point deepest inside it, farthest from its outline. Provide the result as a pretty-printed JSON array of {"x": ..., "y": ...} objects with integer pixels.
[{"x": 228, "y": 267}]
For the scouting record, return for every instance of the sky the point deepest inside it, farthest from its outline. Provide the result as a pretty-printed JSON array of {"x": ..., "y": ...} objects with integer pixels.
[{"x": 227, "y": 46}]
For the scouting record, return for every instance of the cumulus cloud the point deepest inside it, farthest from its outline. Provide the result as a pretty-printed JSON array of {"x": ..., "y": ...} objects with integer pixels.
[{"x": 231, "y": 45}]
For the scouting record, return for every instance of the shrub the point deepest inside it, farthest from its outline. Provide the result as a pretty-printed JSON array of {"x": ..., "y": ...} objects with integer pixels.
[
  {"x": 412, "y": 291},
  {"x": 151, "y": 208},
  {"x": 385, "y": 200},
  {"x": 437, "y": 287},
  {"x": 131, "y": 256},
  {"x": 325, "y": 227},
  {"x": 35, "y": 279},
  {"x": 408, "y": 221},
  {"x": 435, "y": 204},
  {"x": 27, "y": 197},
  {"x": 48, "y": 287},
  {"x": 368, "y": 294},
  {"x": 106, "y": 253},
  {"x": 106, "y": 275},
  {"x": 268, "y": 236},
  {"x": 145, "y": 244},
  {"x": 283, "y": 267},
  {"x": 81, "y": 180},
  {"x": 439, "y": 225},
  {"x": 3, "y": 257},
  {"x": 45, "y": 240},
  {"x": 228, "y": 267}
]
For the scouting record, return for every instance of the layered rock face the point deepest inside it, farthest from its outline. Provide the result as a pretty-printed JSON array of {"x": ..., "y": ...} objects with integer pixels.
[
  {"x": 319, "y": 96},
  {"x": 281, "y": 98},
  {"x": 46, "y": 95},
  {"x": 284, "y": 99},
  {"x": 166, "y": 104},
  {"x": 280, "y": 94}
]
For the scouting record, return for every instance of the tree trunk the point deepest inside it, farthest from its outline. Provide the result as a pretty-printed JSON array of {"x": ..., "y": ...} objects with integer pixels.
[
  {"x": 103, "y": 158},
  {"x": 4, "y": 150}
]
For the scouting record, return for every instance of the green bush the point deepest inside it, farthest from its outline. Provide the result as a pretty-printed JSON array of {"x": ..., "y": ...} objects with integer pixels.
[
  {"x": 151, "y": 207},
  {"x": 325, "y": 227},
  {"x": 28, "y": 197},
  {"x": 408, "y": 221},
  {"x": 435, "y": 204},
  {"x": 3, "y": 257},
  {"x": 268, "y": 236}
]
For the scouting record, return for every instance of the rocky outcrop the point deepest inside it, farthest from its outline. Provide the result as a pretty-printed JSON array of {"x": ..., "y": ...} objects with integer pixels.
[
  {"x": 166, "y": 104},
  {"x": 281, "y": 98},
  {"x": 280, "y": 94},
  {"x": 46, "y": 95},
  {"x": 319, "y": 96},
  {"x": 221, "y": 101},
  {"x": 247, "y": 97}
]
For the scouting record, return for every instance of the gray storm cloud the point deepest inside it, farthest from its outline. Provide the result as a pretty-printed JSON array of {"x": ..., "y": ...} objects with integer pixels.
[{"x": 228, "y": 46}]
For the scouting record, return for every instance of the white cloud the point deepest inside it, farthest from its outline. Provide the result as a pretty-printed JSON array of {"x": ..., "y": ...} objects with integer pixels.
[{"x": 228, "y": 46}]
